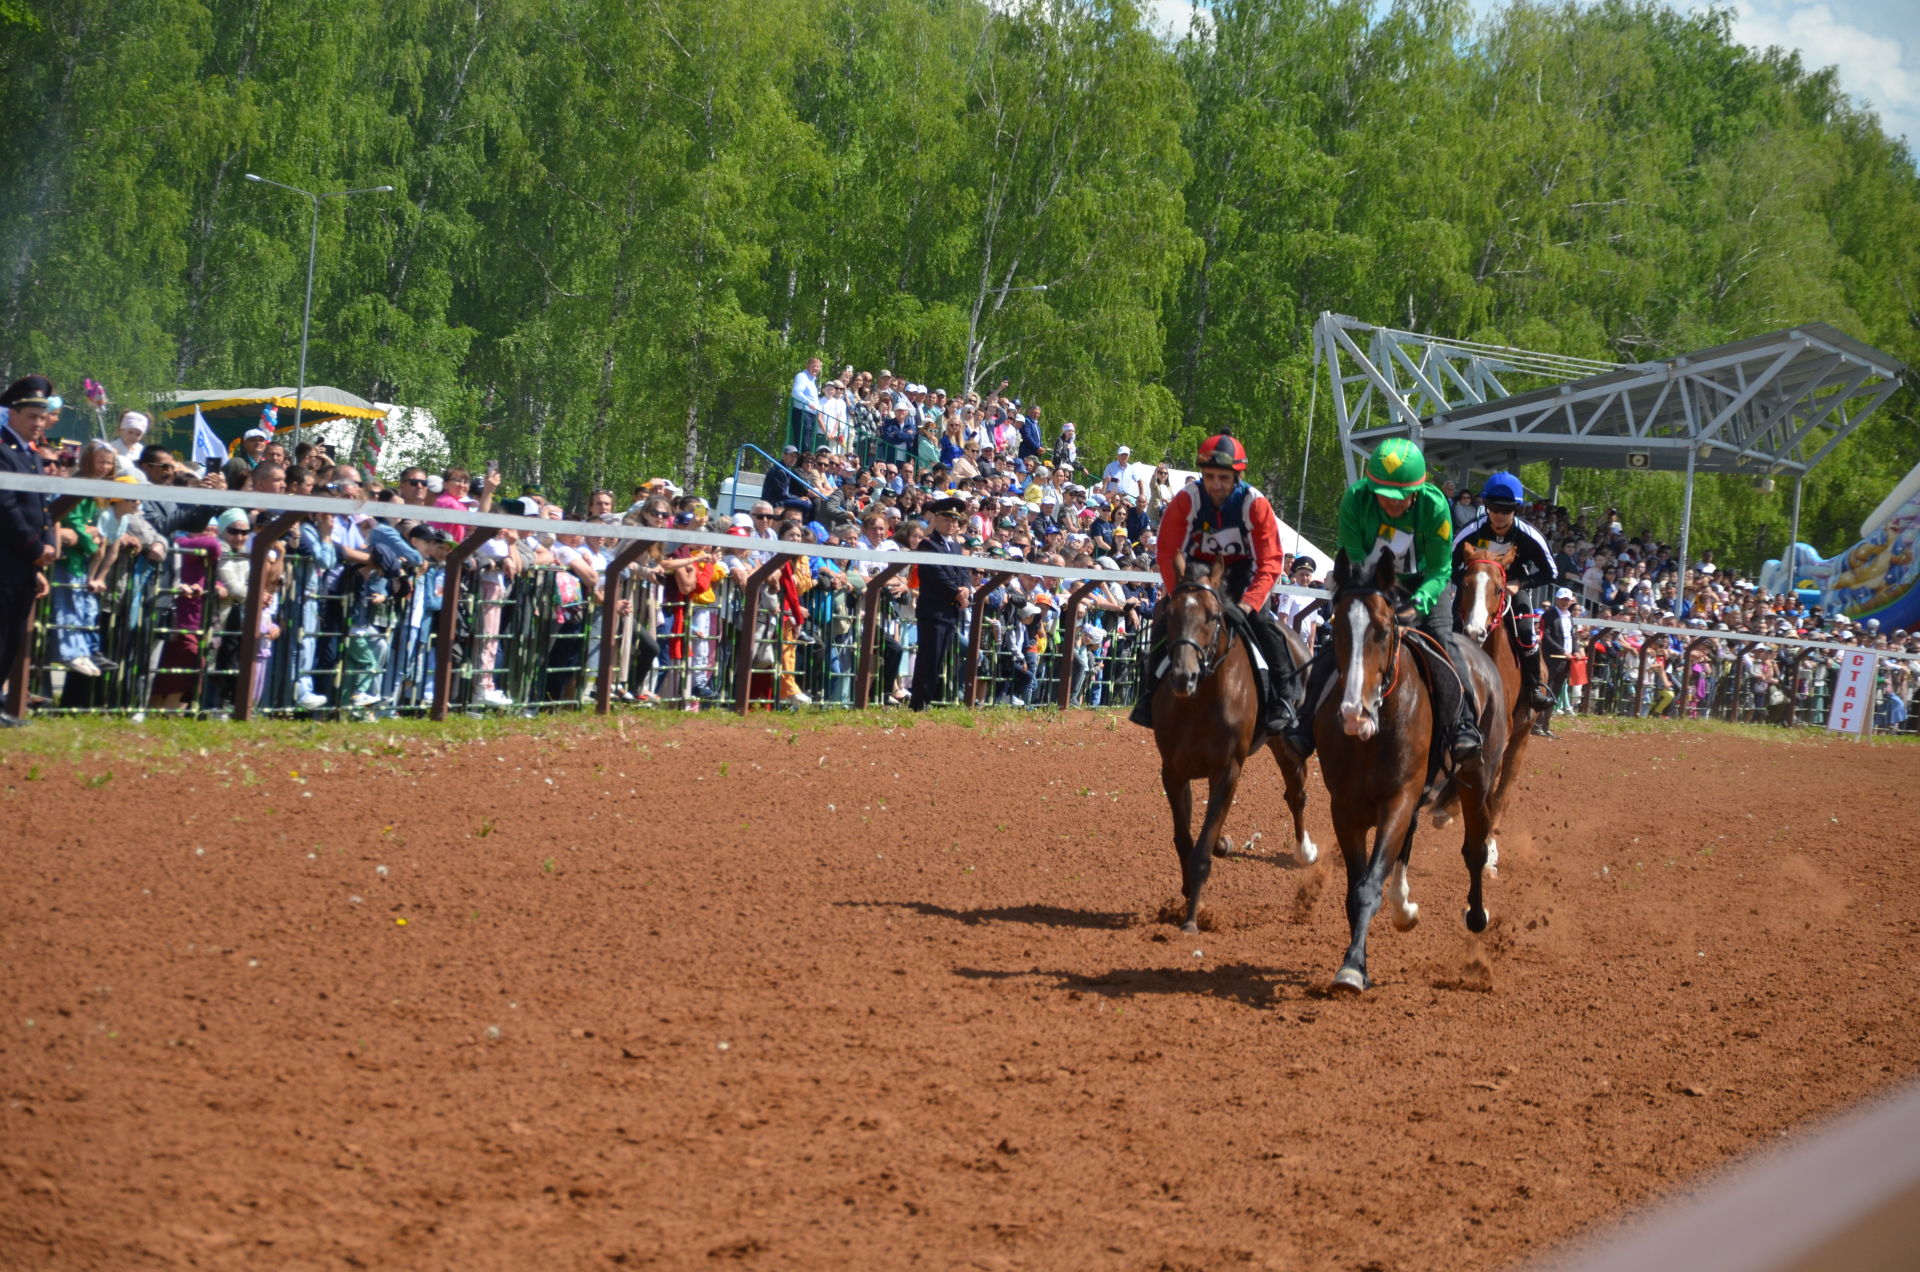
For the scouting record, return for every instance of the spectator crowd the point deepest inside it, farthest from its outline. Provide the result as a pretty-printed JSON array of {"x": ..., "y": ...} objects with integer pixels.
[{"x": 146, "y": 593}]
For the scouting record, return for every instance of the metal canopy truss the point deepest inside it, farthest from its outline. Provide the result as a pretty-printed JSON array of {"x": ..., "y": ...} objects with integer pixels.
[{"x": 1774, "y": 404}]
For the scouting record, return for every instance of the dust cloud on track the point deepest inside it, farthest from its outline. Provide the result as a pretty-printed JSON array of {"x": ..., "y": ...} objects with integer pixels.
[{"x": 876, "y": 997}]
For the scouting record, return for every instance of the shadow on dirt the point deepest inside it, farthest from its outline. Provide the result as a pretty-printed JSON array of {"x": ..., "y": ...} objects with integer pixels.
[
  {"x": 1034, "y": 915},
  {"x": 1239, "y": 982}
]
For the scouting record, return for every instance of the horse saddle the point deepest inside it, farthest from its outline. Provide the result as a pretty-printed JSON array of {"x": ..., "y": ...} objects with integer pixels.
[
  {"x": 1281, "y": 686},
  {"x": 1445, "y": 686}
]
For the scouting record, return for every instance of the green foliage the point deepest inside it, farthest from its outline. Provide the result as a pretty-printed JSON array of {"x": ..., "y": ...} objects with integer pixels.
[{"x": 617, "y": 228}]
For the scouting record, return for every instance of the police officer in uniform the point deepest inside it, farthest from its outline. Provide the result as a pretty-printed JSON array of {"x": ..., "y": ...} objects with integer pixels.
[
  {"x": 27, "y": 544},
  {"x": 944, "y": 591},
  {"x": 1496, "y": 529}
]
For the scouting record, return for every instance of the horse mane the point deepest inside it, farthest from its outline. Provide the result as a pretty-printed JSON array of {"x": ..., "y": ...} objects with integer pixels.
[
  {"x": 1501, "y": 557},
  {"x": 1377, "y": 574}
]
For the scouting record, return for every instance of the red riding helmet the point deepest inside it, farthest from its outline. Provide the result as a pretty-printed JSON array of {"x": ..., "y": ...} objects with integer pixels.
[{"x": 1223, "y": 451}]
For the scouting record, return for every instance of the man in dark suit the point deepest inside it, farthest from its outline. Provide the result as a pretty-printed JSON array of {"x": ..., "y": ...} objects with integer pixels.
[
  {"x": 779, "y": 483},
  {"x": 26, "y": 532},
  {"x": 1557, "y": 642},
  {"x": 944, "y": 591}
]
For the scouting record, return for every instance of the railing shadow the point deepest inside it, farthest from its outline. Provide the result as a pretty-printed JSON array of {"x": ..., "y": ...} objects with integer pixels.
[
  {"x": 1244, "y": 983},
  {"x": 1033, "y": 915}
]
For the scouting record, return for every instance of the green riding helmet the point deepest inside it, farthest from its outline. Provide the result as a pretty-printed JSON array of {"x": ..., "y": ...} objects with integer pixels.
[{"x": 1396, "y": 468}]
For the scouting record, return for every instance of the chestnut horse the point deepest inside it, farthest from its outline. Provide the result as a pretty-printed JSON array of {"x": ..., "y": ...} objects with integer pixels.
[
  {"x": 1481, "y": 616},
  {"x": 1206, "y": 722},
  {"x": 1376, "y": 735}
]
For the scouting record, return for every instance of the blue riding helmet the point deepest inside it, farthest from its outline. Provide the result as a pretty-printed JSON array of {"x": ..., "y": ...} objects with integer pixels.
[{"x": 1503, "y": 488}]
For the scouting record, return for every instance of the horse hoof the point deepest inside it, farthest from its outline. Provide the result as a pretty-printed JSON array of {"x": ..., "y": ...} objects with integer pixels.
[
  {"x": 1442, "y": 819},
  {"x": 1191, "y": 927},
  {"x": 1349, "y": 982},
  {"x": 1306, "y": 852},
  {"x": 1222, "y": 846},
  {"x": 1477, "y": 920},
  {"x": 1408, "y": 918}
]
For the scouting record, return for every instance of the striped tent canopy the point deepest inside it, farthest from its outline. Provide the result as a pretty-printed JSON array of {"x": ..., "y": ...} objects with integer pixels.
[{"x": 232, "y": 412}]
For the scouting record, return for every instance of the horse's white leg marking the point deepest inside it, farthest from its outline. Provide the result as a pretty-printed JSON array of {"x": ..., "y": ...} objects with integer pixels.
[
  {"x": 1493, "y": 857},
  {"x": 1306, "y": 852},
  {"x": 1406, "y": 912}
]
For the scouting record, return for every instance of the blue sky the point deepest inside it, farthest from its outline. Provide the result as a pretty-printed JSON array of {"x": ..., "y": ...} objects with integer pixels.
[{"x": 1875, "y": 43}]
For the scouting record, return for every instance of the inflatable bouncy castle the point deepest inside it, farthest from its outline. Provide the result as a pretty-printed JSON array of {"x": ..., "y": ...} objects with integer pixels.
[{"x": 1875, "y": 578}]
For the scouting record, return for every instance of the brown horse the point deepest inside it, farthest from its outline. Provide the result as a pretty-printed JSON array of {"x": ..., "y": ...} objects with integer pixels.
[
  {"x": 1480, "y": 614},
  {"x": 1376, "y": 734},
  {"x": 1206, "y": 722}
]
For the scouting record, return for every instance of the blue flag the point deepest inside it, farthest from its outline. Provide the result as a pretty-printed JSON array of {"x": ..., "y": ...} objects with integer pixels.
[{"x": 206, "y": 443}]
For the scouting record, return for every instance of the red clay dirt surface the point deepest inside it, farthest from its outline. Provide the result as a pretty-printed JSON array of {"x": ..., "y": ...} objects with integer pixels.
[{"x": 753, "y": 995}]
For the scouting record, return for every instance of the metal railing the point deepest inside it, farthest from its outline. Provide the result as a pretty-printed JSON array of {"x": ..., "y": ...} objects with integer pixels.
[{"x": 171, "y": 637}]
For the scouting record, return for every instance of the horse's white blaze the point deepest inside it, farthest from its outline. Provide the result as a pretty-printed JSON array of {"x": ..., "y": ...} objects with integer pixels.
[
  {"x": 1478, "y": 611},
  {"x": 1406, "y": 912},
  {"x": 1306, "y": 852},
  {"x": 1353, "y": 708}
]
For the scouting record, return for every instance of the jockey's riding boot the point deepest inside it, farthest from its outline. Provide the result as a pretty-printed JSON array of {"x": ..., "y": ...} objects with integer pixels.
[
  {"x": 1454, "y": 704},
  {"x": 1533, "y": 690},
  {"x": 1466, "y": 740},
  {"x": 1539, "y": 697},
  {"x": 1142, "y": 713},
  {"x": 1277, "y": 710},
  {"x": 1298, "y": 733}
]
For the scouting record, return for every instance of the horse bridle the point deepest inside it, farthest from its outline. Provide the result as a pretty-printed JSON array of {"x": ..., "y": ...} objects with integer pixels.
[
  {"x": 1394, "y": 640},
  {"x": 1210, "y": 658},
  {"x": 1500, "y": 590}
]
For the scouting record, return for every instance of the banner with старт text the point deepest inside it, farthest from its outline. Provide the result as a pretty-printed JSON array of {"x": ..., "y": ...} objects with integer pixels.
[{"x": 1852, "y": 692}]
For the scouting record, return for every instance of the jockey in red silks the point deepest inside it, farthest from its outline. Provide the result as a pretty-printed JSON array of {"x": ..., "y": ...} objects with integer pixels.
[{"x": 1219, "y": 517}]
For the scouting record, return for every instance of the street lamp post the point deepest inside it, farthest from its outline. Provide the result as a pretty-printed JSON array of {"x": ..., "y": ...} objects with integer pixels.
[{"x": 313, "y": 248}]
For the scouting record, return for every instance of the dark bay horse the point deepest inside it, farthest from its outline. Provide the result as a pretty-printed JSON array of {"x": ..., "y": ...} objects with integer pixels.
[
  {"x": 1481, "y": 616},
  {"x": 1206, "y": 722},
  {"x": 1376, "y": 736}
]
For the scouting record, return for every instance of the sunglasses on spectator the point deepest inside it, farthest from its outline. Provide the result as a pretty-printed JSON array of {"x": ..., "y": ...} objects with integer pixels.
[
  {"x": 239, "y": 530},
  {"x": 413, "y": 481}
]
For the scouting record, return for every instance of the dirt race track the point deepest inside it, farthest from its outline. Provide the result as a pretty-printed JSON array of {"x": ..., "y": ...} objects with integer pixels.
[{"x": 736, "y": 995}]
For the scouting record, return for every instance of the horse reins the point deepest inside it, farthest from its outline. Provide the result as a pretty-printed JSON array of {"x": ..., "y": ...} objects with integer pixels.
[
  {"x": 1210, "y": 658},
  {"x": 1394, "y": 640}
]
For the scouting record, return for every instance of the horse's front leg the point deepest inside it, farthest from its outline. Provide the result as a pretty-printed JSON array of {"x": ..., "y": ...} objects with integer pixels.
[
  {"x": 1180, "y": 804},
  {"x": 1220, "y": 788},
  {"x": 1477, "y": 848},
  {"x": 1364, "y": 894},
  {"x": 1293, "y": 772}
]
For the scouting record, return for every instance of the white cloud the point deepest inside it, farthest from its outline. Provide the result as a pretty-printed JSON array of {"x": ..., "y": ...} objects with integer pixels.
[
  {"x": 1876, "y": 67},
  {"x": 1169, "y": 19}
]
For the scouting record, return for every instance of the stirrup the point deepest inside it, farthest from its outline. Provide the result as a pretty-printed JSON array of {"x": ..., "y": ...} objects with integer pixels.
[{"x": 1466, "y": 740}]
